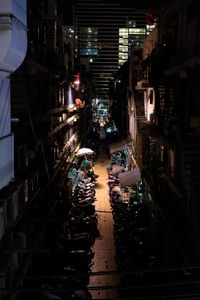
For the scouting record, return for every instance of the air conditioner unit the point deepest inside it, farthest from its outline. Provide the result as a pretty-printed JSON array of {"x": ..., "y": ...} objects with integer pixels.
[
  {"x": 11, "y": 208},
  {"x": 2, "y": 222}
]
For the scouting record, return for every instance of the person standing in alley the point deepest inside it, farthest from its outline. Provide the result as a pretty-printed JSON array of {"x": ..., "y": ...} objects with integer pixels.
[{"x": 85, "y": 165}]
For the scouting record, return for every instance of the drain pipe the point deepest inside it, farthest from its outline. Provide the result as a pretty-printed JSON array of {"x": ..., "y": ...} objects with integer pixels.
[{"x": 13, "y": 41}]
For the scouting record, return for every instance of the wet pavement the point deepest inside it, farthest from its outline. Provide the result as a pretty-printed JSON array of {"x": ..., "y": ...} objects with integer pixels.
[{"x": 104, "y": 247}]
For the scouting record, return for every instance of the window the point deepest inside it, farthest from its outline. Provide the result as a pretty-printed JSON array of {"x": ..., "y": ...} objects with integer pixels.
[
  {"x": 121, "y": 62},
  {"x": 123, "y": 56},
  {"x": 123, "y": 41},
  {"x": 140, "y": 31},
  {"x": 123, "y": 31},
  {"x": 88, "y": 30},
  {"x": 124, "y": 35},
  {"x": 123, "y": 49},
  {"x": 88, "y": 51},
  {"x": 131, "y": 23}
]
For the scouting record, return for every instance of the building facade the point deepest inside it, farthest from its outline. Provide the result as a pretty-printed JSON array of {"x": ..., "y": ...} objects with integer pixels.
[
  {"x": 104, "y": 36},
  {"x": 46, "y": 123},
  {"x": 168, "y": 87}
]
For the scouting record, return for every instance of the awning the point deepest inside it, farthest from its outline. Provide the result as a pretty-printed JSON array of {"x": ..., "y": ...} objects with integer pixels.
[
  {"x": 118, "y": 146},
  {"x": 129, "y": 177}
]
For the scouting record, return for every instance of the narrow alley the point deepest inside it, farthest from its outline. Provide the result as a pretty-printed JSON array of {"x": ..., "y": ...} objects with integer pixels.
[{"x": 104, "y": 248}]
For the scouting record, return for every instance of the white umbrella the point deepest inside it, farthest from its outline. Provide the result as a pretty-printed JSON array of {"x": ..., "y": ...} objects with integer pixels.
[
  {"x": 129, "y": 177},
  {"x": 84, "y": 151}
]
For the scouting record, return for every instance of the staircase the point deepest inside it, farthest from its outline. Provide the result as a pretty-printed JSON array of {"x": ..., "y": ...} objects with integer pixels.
[{"x": 141, "y": 120}]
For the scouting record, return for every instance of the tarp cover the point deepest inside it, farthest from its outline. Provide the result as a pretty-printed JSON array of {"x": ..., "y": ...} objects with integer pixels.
[
  {"x": 129, "y": 177},
  {"x": 117, "y": 169},
  {"x": 118, "y": 146}
]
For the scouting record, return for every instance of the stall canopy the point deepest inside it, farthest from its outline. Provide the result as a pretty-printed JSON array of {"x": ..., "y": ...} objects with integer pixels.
[
  {"x": 118, "y": 146},
  {"x": 129, "y": 177}
]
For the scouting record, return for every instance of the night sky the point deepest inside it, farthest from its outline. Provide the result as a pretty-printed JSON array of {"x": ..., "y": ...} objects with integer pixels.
[
  {"x": 68, "y": 4},
  {"x": 67, "y": 11}
]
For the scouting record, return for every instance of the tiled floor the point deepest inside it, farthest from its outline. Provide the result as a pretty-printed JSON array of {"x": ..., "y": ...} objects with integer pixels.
[{"x": 104, "y": 248}]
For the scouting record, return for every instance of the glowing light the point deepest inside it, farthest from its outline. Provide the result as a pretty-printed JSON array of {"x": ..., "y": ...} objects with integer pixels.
[
  {"x": 77, "y": 78},
  {"x": 79, "y": 103},
  {"x": 70, "y": 98},
  {"x": 77, "y": 82}
]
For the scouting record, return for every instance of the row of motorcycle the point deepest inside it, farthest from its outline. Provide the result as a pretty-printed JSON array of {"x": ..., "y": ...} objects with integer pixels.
[
  {"x": 80, "y": 232},
  {"x": 133, "y": 238},
  {"x": 72, "y": 256}
]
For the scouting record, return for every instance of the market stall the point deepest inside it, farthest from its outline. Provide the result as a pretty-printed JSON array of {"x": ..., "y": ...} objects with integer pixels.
[{"x": 119, "y": 154}]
